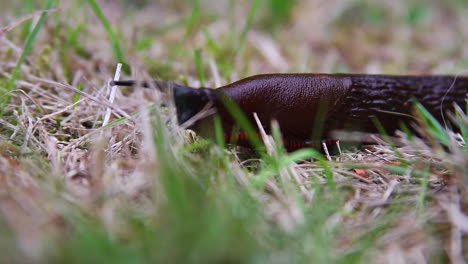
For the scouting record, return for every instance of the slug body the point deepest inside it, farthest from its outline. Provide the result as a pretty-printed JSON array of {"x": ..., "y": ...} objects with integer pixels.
[{"x": 308, "y": 107}]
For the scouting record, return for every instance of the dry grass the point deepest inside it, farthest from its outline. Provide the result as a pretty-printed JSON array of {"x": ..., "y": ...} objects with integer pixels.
[{"x": 140, "y": 189}]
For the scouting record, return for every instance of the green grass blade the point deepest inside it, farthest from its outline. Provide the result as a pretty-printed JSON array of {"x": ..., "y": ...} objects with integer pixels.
[
  {"x": 116, "y": 48},
  {"x": 423, "y": 193},
  {"x": 219, "y": 133},
  {"x": 78, "y": 95},
  {"x": 328, "y": 176},
  {"x": 243, "y": 122},
  {"x": 211, "y": 42},
  {"x": 199, "y": 64},
  {"x": 123, "y": 119},
  {"x": 193, "y": 18},
  {"x": 301, "y": 154},
  {"x": 199, "y": 144},
  {"x": 248, "y": 23},
  {"x": 433, "y": 126},
  {"x": 280, "y": 11},
  {"x": 387, "y": 139},
  {"x": 27, "y": 49},
  {"x": 461, "y": 121},
  {"x": 29, "y": 7}
]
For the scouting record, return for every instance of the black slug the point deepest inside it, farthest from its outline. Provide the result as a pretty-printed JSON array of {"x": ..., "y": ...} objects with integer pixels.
[{"x": 308, "y": 107}]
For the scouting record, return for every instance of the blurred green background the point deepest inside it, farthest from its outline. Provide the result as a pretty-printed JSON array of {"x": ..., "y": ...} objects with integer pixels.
[
  {"x": 149, "y": 193},
  {"x": 247, "y": 37}
]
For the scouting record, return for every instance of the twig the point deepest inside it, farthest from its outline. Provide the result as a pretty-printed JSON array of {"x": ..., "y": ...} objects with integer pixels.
[
  {"x": 58, "y": 112},
  {"x": 325, "y": 149},
  {"x": 93, "y": 98},
  {"x": 265, "y": 138},
  {"x": 112, "y": 95},
  {"x": 18, "y": 22}
]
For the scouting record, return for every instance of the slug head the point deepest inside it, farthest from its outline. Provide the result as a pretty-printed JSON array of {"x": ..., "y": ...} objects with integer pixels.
[{"x": 191, "y": 101}]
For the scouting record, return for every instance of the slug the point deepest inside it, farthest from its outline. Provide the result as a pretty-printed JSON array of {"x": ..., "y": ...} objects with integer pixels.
[{"x": 309, "y": 107}]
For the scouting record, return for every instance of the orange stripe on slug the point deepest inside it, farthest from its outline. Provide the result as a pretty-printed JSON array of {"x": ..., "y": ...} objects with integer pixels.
[
  {"x": 290, "y": 144},
  {"x": 243, "y": 136},
  {"x": 231, "y": 137}
]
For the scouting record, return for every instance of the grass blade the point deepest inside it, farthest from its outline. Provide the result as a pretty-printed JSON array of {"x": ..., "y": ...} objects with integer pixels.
[
  {"x": 219, "y": 133},
  {"x": 434, "y": 128},
  {"x": 193, "y": 18},
  {"x": 116, "y": 48},
  {"x": 244, "y": 123},
  {"x": 27, "y": 49},
  {"x": 29, "y": 6},
  {"x": 199, "y": 64},
  {"x": 248, "y": 23}
]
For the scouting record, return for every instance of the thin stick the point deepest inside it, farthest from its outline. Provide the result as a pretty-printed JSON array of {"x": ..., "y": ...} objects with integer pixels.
[
  {"x": 215, "y": 73},
  {"x": 112, "y": 94},
  {"x": 325, "y": 149},
  {"x": 58, "y": 112},
  {"x": 266, "y": 140},
  {"x": 92, "y": 98},
  {"x": 6, "y": 29}
]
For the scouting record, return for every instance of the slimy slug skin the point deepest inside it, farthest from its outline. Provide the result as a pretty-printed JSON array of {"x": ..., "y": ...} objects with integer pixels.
[{"x": 308, "y": 107}]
